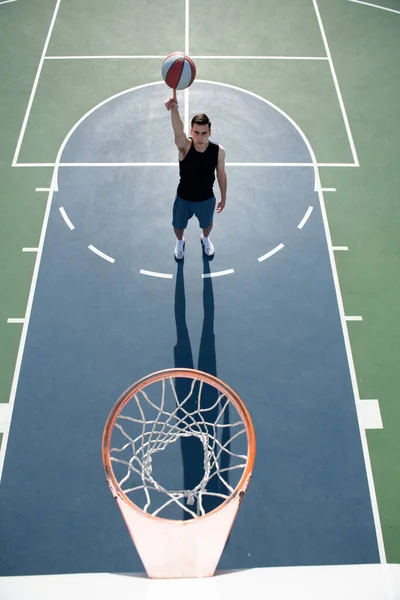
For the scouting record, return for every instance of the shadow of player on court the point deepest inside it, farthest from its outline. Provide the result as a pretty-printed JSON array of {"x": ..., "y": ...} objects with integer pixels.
[{"x": 191, "y": 447}]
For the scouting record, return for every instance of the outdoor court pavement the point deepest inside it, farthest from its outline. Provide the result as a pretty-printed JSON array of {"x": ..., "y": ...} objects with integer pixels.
[{"x": 271, "y": 329}]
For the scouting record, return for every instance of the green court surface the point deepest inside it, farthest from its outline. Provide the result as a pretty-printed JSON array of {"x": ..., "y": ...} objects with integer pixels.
[{"x": 331, "y": 65}]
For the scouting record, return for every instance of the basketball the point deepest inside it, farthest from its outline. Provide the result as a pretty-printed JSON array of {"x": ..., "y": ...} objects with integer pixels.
[{"x": 178, "y": 71}]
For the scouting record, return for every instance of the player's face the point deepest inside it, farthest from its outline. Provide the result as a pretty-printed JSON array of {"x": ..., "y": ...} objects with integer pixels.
[{"x": 200, "y": 135}]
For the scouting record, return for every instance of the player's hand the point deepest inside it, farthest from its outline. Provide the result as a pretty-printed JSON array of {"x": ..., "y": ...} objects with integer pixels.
[
  {"x": 220, "y": 206},
  {"x": 171, "y": 102}
]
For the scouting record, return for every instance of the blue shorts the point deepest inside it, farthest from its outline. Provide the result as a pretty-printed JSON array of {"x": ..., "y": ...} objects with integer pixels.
[{"x": 185, "y": 209}]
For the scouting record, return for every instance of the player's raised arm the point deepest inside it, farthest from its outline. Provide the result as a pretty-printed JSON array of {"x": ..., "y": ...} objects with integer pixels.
[{"x": 181, "y": 139}]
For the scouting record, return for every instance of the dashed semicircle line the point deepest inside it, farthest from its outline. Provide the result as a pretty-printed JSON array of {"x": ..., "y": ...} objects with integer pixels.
[
  {"x": 305, "y": 218},
  {"x": 271, "y": 252},
  {"x": 101, "y": 254},
  {"x": 155, "y": 274},
  {"x": 66, "y": 218},
  {"x": 217, "y": 273}
]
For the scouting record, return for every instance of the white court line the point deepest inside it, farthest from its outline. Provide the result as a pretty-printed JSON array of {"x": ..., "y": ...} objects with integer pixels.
[
  {"x": 120, "y": 164},
  {"x": 369, "y": 414},
  {"x": 376, "y": 6},
  {"x": 7, "y": 2},
  {"x": 186, "y": 92},
  {"x": 354, "y": 164},
  {"x": 217, "y": 273},
  {"x": 328, "y": 189},
  {"x": 354, "y": 382},
  {"x": 187, "y": 22},
  {"x": 175, "y": 164},
  {"x": 42, "y": 189},
  {"x": 194, "y": 56},
  {"x": 344, "y": 248},
  {"x": 186, "y": 112},
  {"x": 35, "y": 83},
  {"x": 155, "y": 274},
  {"x": 35, "y": 165},
  {"x": 356, "y": 318},
  {"x": 105, "y": 57},
  {"x": 30, "y": 249},
  {"x": 15, "y": 320},
  {"x": 336, "y": 83},
  {"x": 244, "y": 57},
  {"x": 101, "y": 254},
  {"x": 267, "y": 164},
  {"x": 289, "y": 164},
  {"x": 271, "y": 252},
  {"x": 4, "y": 416},
  {"x": 22, "y": 341},
  {"x": 66, "y": 218},
  {"x": 305, "y": 218}
]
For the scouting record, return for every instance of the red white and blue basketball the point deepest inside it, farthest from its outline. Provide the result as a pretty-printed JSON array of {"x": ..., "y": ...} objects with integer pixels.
[{"x": 178, "y": 71}]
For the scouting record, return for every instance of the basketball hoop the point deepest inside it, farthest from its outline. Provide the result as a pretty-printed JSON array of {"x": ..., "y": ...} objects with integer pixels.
[{"x": 179, "y": 532}]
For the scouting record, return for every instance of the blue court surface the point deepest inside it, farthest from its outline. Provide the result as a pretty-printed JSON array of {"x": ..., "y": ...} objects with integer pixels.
[{"x": 111, "y": 306}]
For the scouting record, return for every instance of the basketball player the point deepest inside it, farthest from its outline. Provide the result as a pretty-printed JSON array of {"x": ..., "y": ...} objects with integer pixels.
[{"x": 198, "y": 160}]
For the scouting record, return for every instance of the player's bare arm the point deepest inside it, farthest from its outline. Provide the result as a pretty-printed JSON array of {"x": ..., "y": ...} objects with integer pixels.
[
  {"x": 222, "y": 179},
  {"x": 181, "y": 140}
]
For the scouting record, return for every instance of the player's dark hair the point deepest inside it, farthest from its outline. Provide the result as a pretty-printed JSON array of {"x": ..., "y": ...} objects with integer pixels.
[{"x": 201, "y": 119}]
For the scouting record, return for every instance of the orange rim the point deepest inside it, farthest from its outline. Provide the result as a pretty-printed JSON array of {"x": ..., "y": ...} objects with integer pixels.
[{"x": 125, "y": 398}]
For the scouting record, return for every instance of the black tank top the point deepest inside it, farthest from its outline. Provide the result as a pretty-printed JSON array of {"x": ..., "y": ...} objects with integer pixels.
[{"x": 197, "y": 173}]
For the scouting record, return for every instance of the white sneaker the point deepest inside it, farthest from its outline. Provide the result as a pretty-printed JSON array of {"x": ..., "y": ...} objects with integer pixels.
[
  {"x": 208, "y": 246},
  {"x": 179, "y": 249}
]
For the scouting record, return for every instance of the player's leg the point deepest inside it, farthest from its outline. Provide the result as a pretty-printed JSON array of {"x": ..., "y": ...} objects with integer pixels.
[
  {"x": 207, "y": 230},
  {"x": 205, "y": 214},
  {"x": 180, "y": 216},
  {"x": 179, "y": 234}
]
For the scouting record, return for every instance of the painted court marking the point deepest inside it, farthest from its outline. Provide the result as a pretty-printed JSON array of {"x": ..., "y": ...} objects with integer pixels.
[
  {"x": 271, "y": 252},
  {"x": 21, "y": 347},
  {"x": 314, "y": 165},
  {"x": 19, "y": 320},
  {"x": 4, "y": 416},
  {"x": 376, "y": 6},
  {"x": 175, "y": 164},
  {"x": 187, "y": 25},
  {"x": 217, "y": 273},
  {"x": 35, "y": 84},
  {"x": 66, "y": 218},
  {"x": 30, "y": 249},
  {"x": 155, "y": 274},
  {"x": 369, "y": 414},
  {"x": 7, "y": 2},
  {"x": 106, "y": 56},
  {"x": 43, "y": 189},
  {"x": 336, "y": 84},
  {"x": 344, "y": 248},
  {"x": 194, "y": 57},
  {"x": 305, "y": 218},
  {"x": 354, "y": 382},
  {"x": 101, "y": 254},
  {"x": 245, "y": 57},
  {"x": 356, "y": 318}
]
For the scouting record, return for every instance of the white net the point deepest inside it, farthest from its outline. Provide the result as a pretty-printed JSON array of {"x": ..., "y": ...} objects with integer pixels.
[{"x": 178, "y": 448}]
